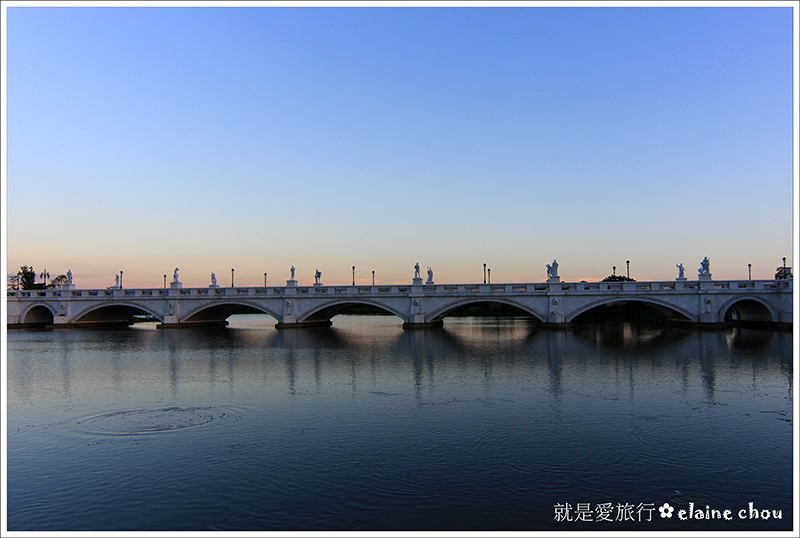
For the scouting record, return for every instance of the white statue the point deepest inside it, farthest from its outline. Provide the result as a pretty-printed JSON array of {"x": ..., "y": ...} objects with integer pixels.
[
  {"x": 554, "y": 270},
  {"x": 430, "y": 274},
  {"x": 317, "y": 276},
  {"x": 175, "y": 275},
  {"x": 116, "y": 279},
  {"x": 213, "y": 279},
  {"x": 704, "y": 267},
  {"x": 416, "y": 270},
  {"x": 292, "y": 272},
  {"x": 69, "y": 276},
  {"x": 680, "y": 270},
  {"x": 549, "y": 270}
]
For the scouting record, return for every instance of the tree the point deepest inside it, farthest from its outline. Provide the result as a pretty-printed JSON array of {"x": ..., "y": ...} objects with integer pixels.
[
  {"x": 618, "y": 278},
  {"x": 13, "y": 282},
  {"x": 58, "y": 282},
  {"x": 27, "y": 278}
]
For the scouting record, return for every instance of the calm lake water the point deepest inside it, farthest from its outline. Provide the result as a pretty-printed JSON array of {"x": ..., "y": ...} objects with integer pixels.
[{"x": 485, "y": 424}]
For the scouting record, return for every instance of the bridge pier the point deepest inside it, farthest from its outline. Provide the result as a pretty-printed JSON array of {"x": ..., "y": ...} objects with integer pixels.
[
  {"x": 193, "y": 325},
  {"x": 425, "y": 325},
  {"x": 304, "y": 324}
]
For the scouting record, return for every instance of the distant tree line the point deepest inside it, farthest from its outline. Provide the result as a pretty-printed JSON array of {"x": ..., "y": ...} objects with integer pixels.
[{"x": 25, "y": 279}]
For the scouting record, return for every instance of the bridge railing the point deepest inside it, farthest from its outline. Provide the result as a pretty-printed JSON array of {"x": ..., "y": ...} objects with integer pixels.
[{"x": 672, "y": 286}]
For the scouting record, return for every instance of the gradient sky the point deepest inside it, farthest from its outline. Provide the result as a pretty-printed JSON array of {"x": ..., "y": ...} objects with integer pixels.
[{"x": 147, "y": 138}]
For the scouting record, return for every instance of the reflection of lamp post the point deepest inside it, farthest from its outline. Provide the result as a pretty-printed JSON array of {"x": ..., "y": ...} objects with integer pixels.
[
  {"x": 484, "y": 273},
  {"x": 231, "y": 277},
  {"x": 490, "y": 275},
  {"x": 373, "y": 278},
  {"x": 354, "y": 275},
  {"x": 749, "y": 274},
  {"x": 120, "y": 280},
  {"x": 628, "y": 262}
]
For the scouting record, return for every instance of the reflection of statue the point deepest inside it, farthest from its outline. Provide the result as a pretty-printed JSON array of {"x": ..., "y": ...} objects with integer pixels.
[
  {"x": 69, "y": 276},
  {"x": 704, "y": 267},
  {"x": 416, "y": 270},
  {"x": 175, "y": 275},
  {"x": 213, "y": 279},
  {"x": 680, "y": 270},
  {"x": 317, "y": 276},
  {"x": 292, "y": 272}
]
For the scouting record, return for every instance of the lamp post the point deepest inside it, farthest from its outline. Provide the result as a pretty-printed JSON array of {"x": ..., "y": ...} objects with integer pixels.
[
  {"x": 373, "y": 278},
  {"x": 490, "y": 275},
  {"x": 614, "y": 270},
  {"x": 120, "y": 280},
  {"x": 628, "y": 262},
  {"x": 484, "y": 273},
  {"x": 265, "y": 280},
  {"x": 231, "y": 277},
  {"x": 784, "y": 267},
  {"x": 354, "y": 275},
  {"x": 749, "y": 274},
  {"x": 165, "y": 281}
]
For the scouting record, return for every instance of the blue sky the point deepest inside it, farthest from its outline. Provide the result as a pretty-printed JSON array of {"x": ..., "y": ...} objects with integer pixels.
[{"x": 144, "y": 139}]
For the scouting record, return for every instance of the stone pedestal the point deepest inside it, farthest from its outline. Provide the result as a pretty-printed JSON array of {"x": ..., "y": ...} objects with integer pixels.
[
  {"x": 213, "y": 286},
  {"x": 554, "y": 280},
  {"x": 429, "y": 282},
  {"x": 318, "y": 283},
  {"x": 175, "y": 284},
  {"x": 704, "y": 277},
  {"x": 68, "y": 287},
  {"x": 681, "y": 278},
  {"x": 416, "y": 282},
  {"x": 291, "y": 283}
]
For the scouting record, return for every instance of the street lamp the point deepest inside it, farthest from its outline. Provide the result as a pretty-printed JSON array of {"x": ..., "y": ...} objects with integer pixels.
[
  {"x": 484, "y": 273},
  {"x": 354, "y": 275},
  {"x": 120, "y": 280},
  {"x": 490, "y": 275},
  {"x": 165, "y": 281},
  {"x": 628, "y": 262},
  {"x": 231, "y": 277},
  {"x": 749, "y": 274},
  {"x": 265, "y": 280},
  {"x": 373, "y": 278},
  {"x": 614, "y": 270}
]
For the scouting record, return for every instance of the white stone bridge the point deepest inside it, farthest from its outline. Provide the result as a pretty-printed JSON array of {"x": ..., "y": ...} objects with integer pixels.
[{"x": 703, "y": 303}]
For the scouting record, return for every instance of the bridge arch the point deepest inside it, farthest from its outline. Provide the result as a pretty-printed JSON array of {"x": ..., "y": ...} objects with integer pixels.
[
  {"x": 442, "y": 312},
  {"x": 114, "y": 313},
  {"x": 218, "y": 313},
  {"x": 38, "y": 315},
  {"x": 666, "y": 308},
  {"x": 328, "y": 310},
  {"x": 748, "y": 309}
]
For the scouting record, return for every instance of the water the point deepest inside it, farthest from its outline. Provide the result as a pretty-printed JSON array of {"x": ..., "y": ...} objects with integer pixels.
[{"x": 486, "y": 424}]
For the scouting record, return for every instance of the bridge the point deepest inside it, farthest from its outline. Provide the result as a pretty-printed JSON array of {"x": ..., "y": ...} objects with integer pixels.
[{"x": 702, "y": 303}]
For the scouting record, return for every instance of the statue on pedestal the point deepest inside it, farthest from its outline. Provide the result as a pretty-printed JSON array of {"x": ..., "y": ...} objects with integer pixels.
[
  {"x": 317, "y": 276},
  {"x": 175, "y": 275},
  {"x": 552, "y": 270},
  {"x": 430, "y": 276},
  {"x": 213, "y": 280},
  {"x": 416, "y": 270},
  {"x": 292, "y": 272},
  {"x": 69, "y": 276},
  {"x": 681, "y": 271},
  {"x": 704, "y": 265}
]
